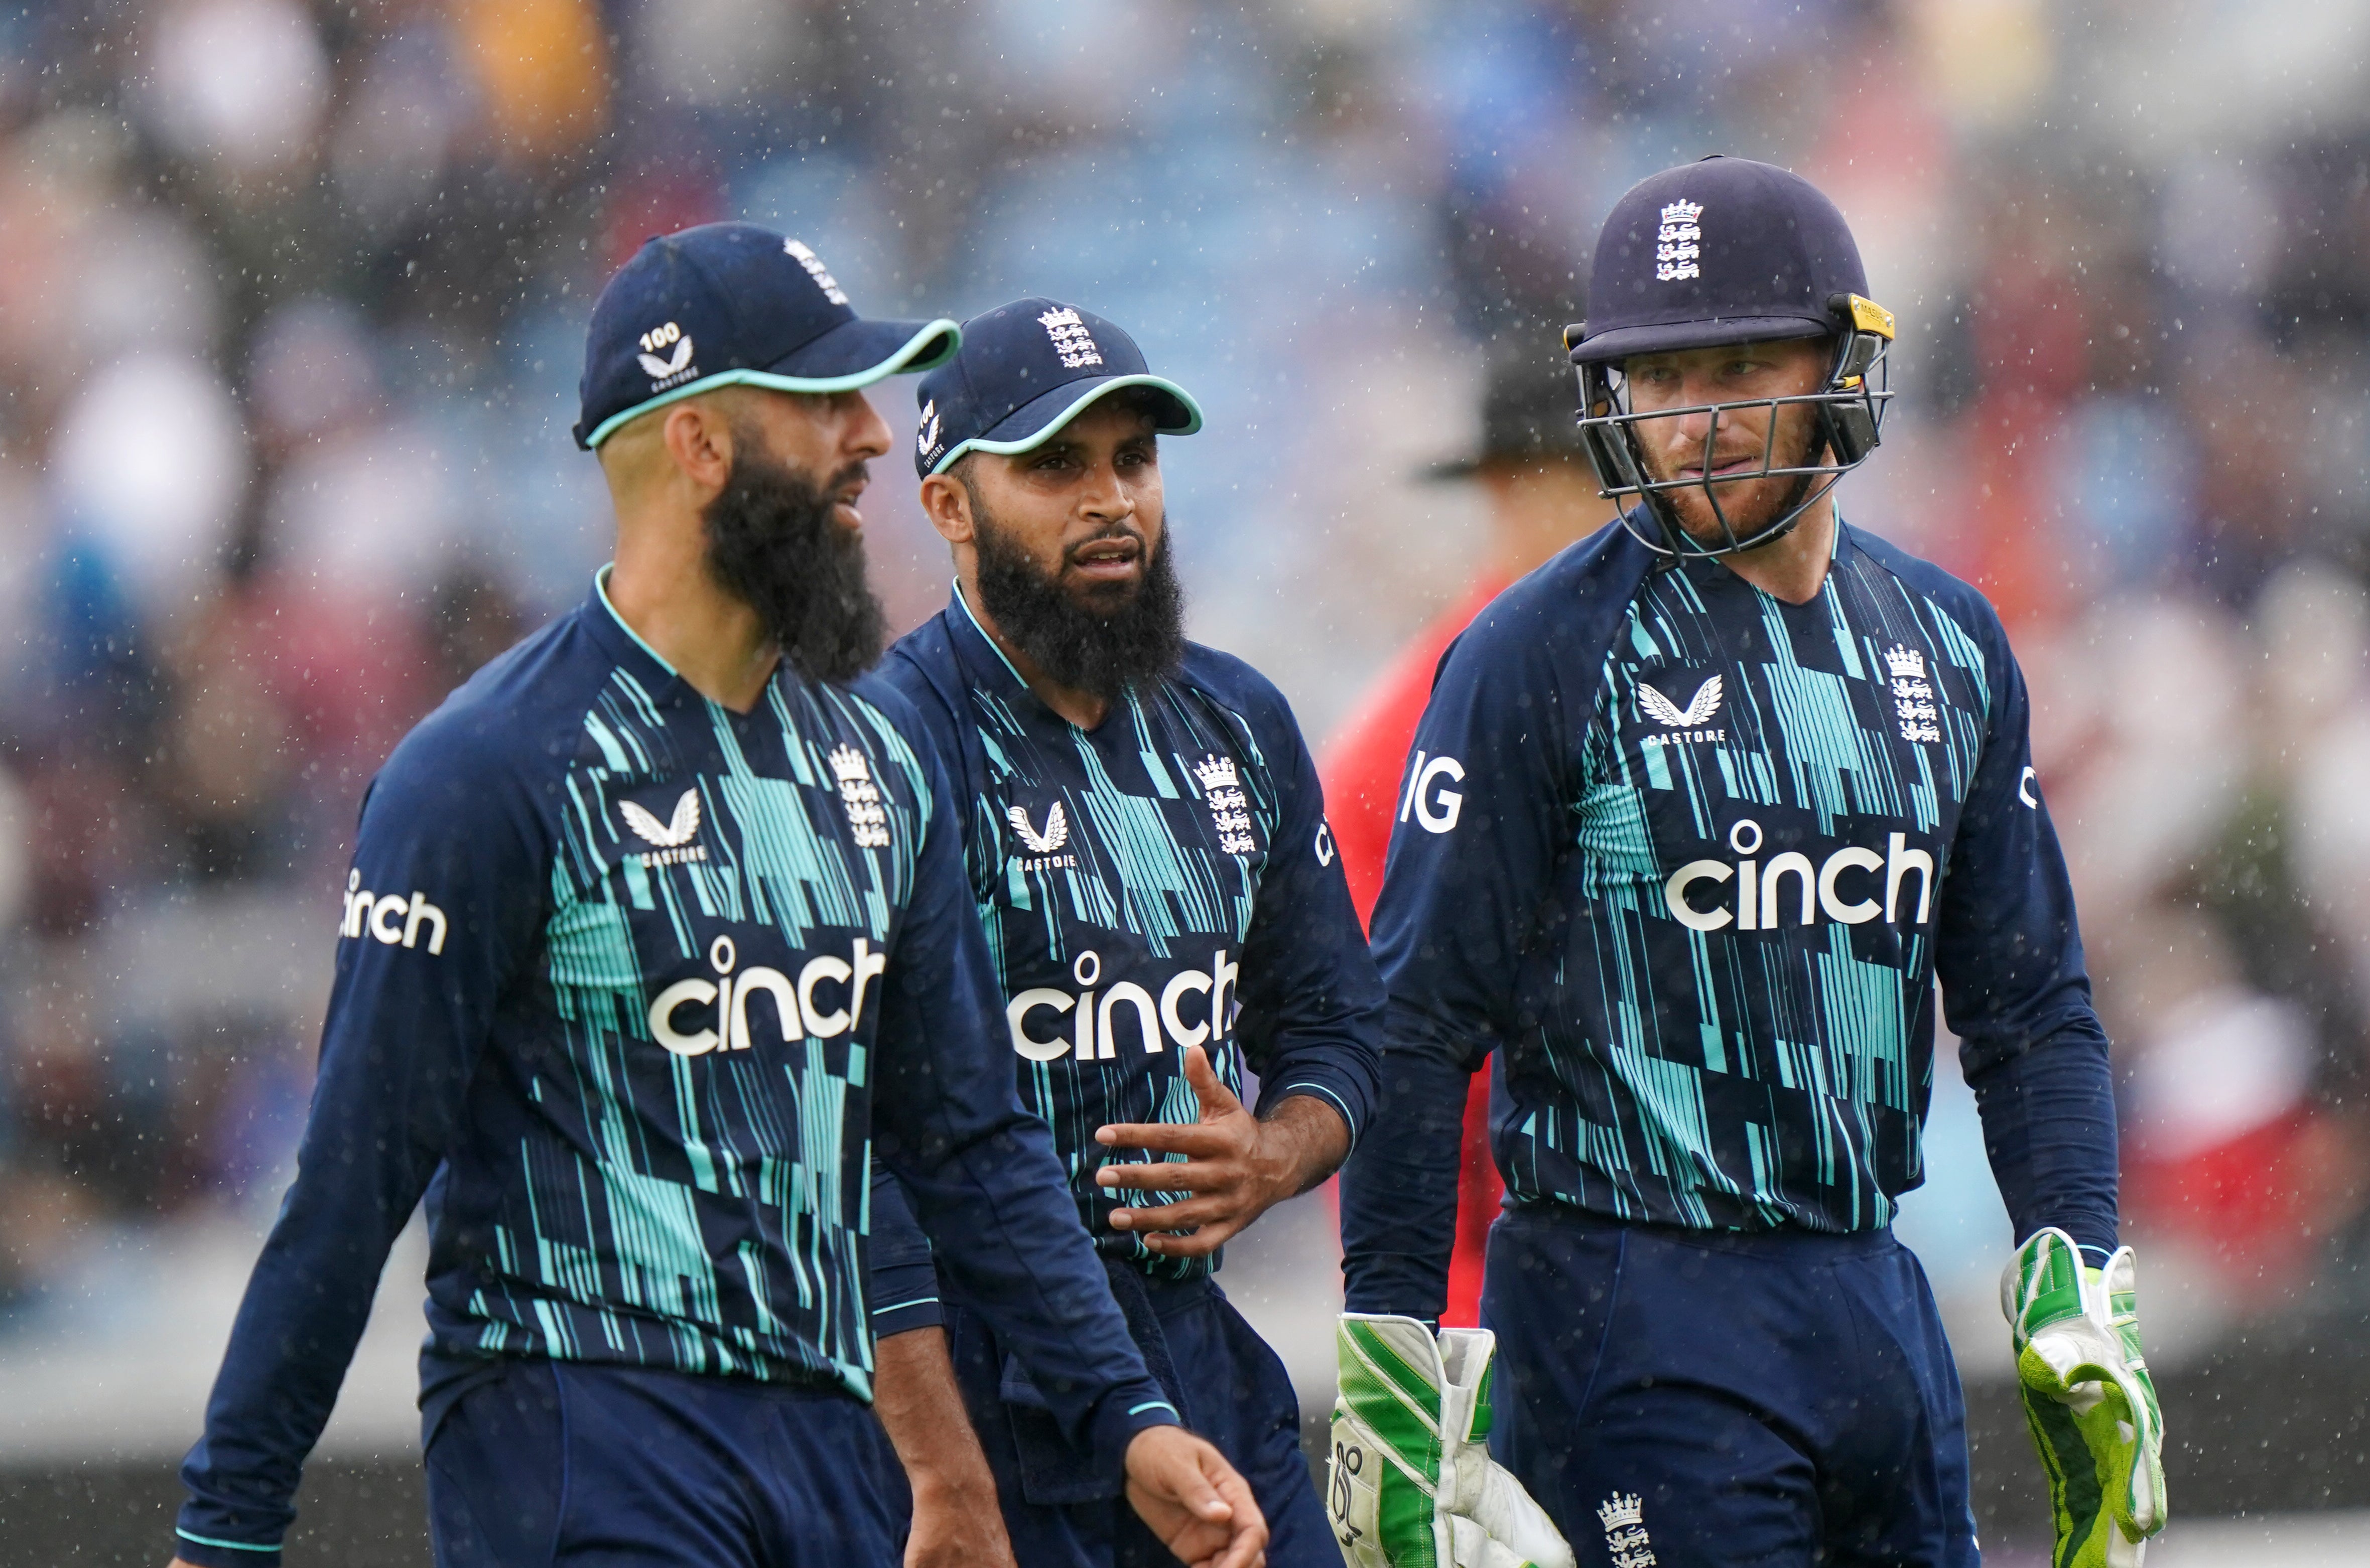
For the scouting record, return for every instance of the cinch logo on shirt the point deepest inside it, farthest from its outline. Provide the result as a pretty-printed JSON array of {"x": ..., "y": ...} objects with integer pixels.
[
  {"x": 366, "y": 911},
  {"x": 798, "y": 1007},
  {"x": 1761, "y": 890},
  {"x": 1090, "y": 1029}
]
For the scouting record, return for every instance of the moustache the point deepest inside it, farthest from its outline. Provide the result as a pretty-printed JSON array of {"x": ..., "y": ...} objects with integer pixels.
[
  {"x": 1115, "y": 534},
  {"x": 857, "y": 475}
]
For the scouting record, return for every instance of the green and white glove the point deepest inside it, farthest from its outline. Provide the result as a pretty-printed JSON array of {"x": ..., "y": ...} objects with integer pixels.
[
  {"x": 2087, "y": 1398},
  {"x": 1412, "y": 1482}
]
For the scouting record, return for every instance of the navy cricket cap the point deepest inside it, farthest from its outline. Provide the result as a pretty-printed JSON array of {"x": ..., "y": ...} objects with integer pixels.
[
  {"x": 1723, "y": 250},
  {"x": 729, "y": 305},
  {"x": 1024, "y": 370}
]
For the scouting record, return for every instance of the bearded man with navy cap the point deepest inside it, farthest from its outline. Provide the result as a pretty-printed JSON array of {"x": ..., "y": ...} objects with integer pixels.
[
  {"x": 657, "y": 933},
  {"x": 1147, "y": 846},
  {"x": 1697, "y": 814}
]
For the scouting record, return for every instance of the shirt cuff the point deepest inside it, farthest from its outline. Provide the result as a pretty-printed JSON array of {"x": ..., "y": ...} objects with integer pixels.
[
  {"x": 217, "y": 1551},
  {"x": 893, "y": 1318},
  {"x": 1125, "y": 1410},
  {"x": 1327, "y": 1088}
]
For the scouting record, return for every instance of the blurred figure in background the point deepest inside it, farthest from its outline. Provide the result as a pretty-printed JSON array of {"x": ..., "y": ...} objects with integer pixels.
[{"x": 1542, "y": 496}]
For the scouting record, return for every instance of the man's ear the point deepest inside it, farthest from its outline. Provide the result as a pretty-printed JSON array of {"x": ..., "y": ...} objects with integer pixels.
[
  {"x": 698, "y": 439},
  {"x": 946, "y": 503}
]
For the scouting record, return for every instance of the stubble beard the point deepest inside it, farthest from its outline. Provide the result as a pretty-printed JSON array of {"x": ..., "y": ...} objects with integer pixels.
[{"x": 1750, "y": 505}]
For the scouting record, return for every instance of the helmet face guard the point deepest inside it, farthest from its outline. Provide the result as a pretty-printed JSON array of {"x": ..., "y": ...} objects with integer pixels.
[{"x": 1849, "y": 422}]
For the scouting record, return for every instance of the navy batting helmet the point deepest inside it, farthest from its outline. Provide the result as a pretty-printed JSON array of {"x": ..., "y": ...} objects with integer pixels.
[{"x": 1720, "y": 251}]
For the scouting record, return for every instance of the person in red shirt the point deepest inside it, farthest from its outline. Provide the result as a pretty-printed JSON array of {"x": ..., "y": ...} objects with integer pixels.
[{"x": 1542, "y": 496}]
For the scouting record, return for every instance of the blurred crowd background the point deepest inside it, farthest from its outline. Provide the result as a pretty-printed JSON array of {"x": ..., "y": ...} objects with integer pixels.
[{"x": 292, "y": 301}]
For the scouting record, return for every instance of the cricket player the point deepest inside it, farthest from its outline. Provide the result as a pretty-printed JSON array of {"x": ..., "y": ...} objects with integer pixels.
[
  {"x": 1697, "y": 814},
  {"x": 657, "y": 932},
  {"x": 1539, "y": 494},
  {"x": 1147, "y": 849}
]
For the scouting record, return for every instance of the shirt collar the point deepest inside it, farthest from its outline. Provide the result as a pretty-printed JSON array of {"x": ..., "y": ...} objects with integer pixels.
[
  {"x": 622, "y": 643},
  {"x": 988, "y": 666},
  {"x": 980, "y": 650}
]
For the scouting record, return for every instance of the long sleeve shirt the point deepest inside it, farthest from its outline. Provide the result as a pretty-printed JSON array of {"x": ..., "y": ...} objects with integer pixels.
[
  {"x": 631, "y": 988},
  {"x": 1688, "y": 860},
  {"x": 1164, "y": 880}
]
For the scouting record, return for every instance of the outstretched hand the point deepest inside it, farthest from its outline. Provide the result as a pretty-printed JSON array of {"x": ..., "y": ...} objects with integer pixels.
[
  {"x": 1192, "y": 1499},
  {"x": 1235, "y": 1166}
]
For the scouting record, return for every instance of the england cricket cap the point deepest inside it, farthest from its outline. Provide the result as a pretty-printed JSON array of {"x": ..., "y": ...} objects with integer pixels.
[
  {"x": 728, "y": 304},
  {"x": 1026, "y": 370},
  {"x": 1723, "y": 250}
]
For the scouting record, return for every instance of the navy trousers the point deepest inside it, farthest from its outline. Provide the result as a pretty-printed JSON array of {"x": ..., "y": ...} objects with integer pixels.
[
  {"x": 554, "y": 1463},
  {"x": 1719, "y": 1400},
  {"x": 1063, "y": 1510}
]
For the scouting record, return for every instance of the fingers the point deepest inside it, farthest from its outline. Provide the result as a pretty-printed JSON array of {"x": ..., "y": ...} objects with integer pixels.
[
  {"x": 1193, "y": 1500},
  {"x": 1205, "y": 1138},
  {"x": 1247, "y": 1547},
  {"x": 1211, "y": 1217},
  {"x": 1204, "y": 1209},
  {"x": 1212, "y": 1222},
  {"x": 1225, "y": 1128},
  {"x": 1201, "y": 1243},
  {"x": 1215, "y": 1097},
  {"x": 1169, "y": 1178}
]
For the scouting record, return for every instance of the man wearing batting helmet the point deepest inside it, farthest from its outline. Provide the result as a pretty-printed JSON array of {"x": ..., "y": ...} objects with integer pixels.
[{"x": 1696, "y": 816}]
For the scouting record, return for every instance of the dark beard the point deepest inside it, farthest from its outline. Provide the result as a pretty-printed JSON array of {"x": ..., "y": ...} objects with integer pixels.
[
  {"x": 774, "y": 544},
  {"x": 1101, "y": 646}
]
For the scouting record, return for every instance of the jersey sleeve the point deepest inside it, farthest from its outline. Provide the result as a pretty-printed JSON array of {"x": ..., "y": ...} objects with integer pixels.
[
  {"x": 904, "y": 1285},
  {"x": 1312, "y": 1004},
  {"x": 980, "y": 1171},
  {"x": 1481, "y": 826},
  {"x": 441, "y": 913},
  {"x": 2015, "y": 990}
]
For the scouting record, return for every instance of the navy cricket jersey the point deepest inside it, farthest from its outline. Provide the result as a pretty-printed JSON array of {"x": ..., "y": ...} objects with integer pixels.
[
  {"x": 1689, "y": 860},
  {"x": 631, "y": 987},
  {"x": 1164, "y": 880}
]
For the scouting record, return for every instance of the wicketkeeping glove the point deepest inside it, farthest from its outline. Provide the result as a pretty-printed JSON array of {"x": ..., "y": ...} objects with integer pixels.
[
  {"x": 2087, "y": 1398},
  {"x": 1412, "y": 1485}
]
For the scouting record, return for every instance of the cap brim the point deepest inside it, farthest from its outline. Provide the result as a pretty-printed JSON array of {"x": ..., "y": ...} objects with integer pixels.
[
  {"x": 1040, "y": 418},
  {"x": 1628, "y": 342},
  {"x": 850, "y": 356},
  {"x": 857, "y": 353},
  {"x": 1450, "y": 469}
]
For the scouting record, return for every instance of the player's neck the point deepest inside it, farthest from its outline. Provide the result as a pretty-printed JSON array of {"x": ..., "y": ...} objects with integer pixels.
[
  {"x": 1084, "y": 709},
  {"x": 1793, "y": 568},
  {"x": 660, "y": 587}
]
